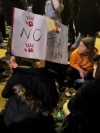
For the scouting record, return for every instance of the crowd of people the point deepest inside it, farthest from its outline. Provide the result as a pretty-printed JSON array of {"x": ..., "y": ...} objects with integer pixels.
[{"x": 32, "y": 92}]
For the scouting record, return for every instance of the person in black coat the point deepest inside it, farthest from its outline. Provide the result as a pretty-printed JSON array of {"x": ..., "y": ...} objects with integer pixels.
[
  {"x": 32, "y": 96},
  {"x": 85, "y": 103}
]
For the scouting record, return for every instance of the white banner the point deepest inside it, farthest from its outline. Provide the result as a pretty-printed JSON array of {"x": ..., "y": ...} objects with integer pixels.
[{"x": 36, "y": 36}]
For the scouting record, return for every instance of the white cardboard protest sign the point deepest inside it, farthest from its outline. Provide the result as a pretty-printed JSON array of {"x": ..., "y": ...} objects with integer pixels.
[
  {"x": 32, "y": 38},
  {"x": 29, "y": 38},
  {"x": 57, "y": 48}
]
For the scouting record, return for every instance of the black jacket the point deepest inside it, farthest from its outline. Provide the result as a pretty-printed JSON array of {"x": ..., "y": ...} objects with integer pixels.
[
  {"x": 86, "y": 103},
  {"x": 22, "y": 75},
  {"x": 18, "y": 116}
]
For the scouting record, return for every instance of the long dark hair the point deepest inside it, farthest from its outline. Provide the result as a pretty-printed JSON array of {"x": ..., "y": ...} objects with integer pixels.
[{"x": 89, "y": 42}]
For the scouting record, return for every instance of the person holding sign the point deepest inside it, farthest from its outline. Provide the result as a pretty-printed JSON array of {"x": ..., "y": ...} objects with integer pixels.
[
  {"x": 32, "y": 95},
  {"x": 41, "y": 9}
]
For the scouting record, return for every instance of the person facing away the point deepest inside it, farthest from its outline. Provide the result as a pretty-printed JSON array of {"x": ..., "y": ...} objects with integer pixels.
[
  {"x": 32, "y": 96},
  {"x": 81, "y": 62},
  {"x": 85, "y": 103}
]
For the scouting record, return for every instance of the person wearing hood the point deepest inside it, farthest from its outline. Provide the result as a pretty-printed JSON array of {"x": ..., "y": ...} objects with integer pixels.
[
  {"x": 85, "y": 103},
  {"x": 32, "y": 96}
]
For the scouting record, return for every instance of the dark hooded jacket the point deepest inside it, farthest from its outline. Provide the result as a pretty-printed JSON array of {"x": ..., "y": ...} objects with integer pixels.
[
  {"x": 34, "y": 116},
  {"x": 85, "y": 104}
]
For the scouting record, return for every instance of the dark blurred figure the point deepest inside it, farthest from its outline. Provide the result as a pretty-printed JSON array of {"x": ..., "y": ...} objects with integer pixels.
[
  {"x": 73, "y": 31},
  {"x": 39, "y": 6},
  {"x": 85, "y": 104},
  {"x": 69, "y": 18},
  {"x": 8, "y": 9},
  {"x": 88, "y": 20},
  {"x": 2, "y": 24},
  {"x": 66, "y": 12}
]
